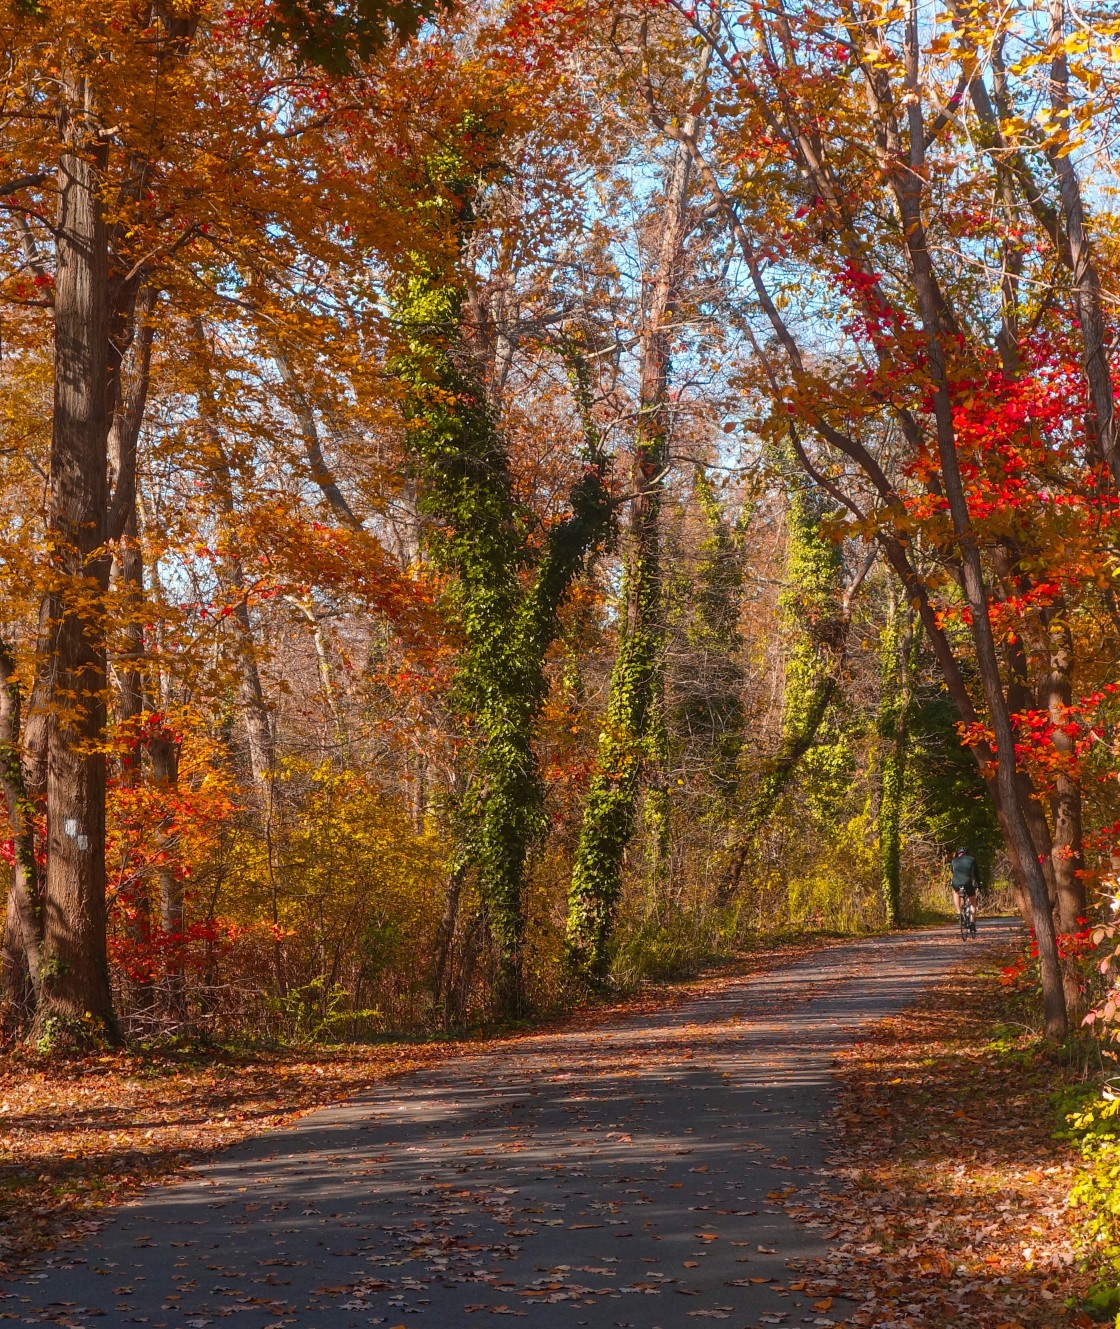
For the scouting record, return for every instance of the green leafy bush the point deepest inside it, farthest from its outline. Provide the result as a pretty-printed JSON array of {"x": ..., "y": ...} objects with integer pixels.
[{"x": 1095, "y": 1127}]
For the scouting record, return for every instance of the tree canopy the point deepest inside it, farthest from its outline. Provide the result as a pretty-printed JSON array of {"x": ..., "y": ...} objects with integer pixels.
[{"x": 499, "y": 501}]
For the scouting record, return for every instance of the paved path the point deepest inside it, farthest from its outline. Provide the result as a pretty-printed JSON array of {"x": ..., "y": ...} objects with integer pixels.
[{"x": 626, "y": 1176}]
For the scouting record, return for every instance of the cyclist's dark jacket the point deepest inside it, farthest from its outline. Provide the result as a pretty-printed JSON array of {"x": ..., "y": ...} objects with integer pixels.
[{"x": 965, "y": 876}]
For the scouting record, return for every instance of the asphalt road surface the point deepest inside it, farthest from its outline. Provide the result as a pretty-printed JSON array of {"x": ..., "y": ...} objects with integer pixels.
[{"x": 623, "y": 1177}]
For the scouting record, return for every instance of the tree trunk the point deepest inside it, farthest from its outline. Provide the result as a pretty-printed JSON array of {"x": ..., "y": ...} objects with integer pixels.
[
  {"x": 795, "y": 744},
  {"x": 1072, "y": 247},
  {"x": 75, "y": 1000},
  {"x": 305, "y": 606},
  {"x": 17, "y": 1002},
  {"x": 907, "y": 184},
  {"x": 29, "y": 781},
  {"x": 254, "y": 708},
  {"x": 313, "y": 447},
  {"x": 445, "y": 938},
  {"x": 129, "y": 570},
  {"x": 1021, "y": 699},
  {"x": 23, "y": 923},
  {"x": 894, "y": 719},
  {"x": 1086, "y": 282},
  {"x": 1065, "y": 802},
  {"x": 258, "y": 722},
  {"x": 930, "y": 309},
  {"x": 164, "y": 752}
]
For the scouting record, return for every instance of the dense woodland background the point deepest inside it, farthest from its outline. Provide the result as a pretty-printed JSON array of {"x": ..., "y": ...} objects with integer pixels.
[{"x": 527, "y": 496}]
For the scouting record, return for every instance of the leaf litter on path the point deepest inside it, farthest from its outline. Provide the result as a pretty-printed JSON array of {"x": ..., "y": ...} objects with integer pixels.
[
  {"x": 82, "y": 1135},
  {"x": 945, "y": 1195}
]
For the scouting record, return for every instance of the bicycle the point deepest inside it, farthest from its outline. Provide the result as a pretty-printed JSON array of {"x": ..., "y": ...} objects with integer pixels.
[{"x": 967, "y": 917}]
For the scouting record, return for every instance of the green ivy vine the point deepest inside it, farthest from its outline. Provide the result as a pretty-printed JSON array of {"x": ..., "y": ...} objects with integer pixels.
[{"x": 506, "y": 587}]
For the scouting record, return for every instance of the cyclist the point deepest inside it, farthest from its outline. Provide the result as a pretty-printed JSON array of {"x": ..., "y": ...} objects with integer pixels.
[{"x": 966, "y": 881}]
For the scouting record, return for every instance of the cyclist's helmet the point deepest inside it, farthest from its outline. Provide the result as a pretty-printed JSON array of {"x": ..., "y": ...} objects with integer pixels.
[{"x": 959, "y": 852}]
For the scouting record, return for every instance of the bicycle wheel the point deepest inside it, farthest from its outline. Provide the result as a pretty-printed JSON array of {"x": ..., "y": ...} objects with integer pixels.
[{"x": 964, "y": 921}]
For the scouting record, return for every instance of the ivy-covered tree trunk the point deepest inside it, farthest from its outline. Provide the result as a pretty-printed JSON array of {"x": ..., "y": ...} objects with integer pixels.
[
  {"x": 608, "y": 819},
  {"x": 718, "y": 603},
  {"x": 657, "y": 804},
  {"x": 633, "y": 733},
  {"x": 466, "y": 488},
  {"x": 705, "y": 683},
  {"x": 809, "y": 609},
  {"x": 814, "y": 612},
  {"x": 505, "y": 594}
]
